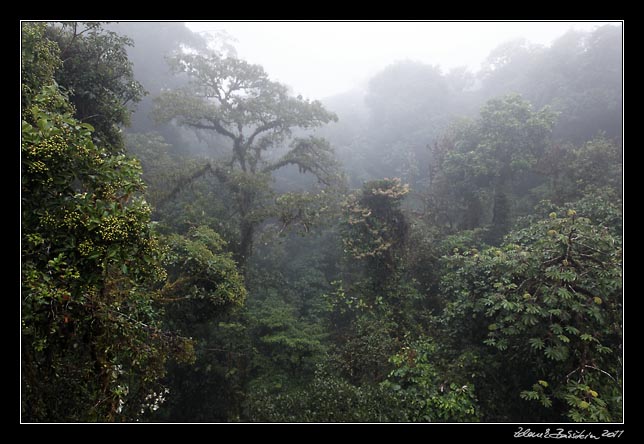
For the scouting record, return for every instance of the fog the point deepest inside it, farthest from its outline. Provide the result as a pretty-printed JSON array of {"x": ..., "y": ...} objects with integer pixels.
[
  {"x": 322, "y": 222},
  {"x": 321, "y": 59}
]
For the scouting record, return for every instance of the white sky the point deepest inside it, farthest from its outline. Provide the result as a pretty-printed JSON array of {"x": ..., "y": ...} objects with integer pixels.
[{"x": 320, "y": 59}]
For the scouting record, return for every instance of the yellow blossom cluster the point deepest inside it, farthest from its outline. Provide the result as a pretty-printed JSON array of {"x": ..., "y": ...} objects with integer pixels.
[
  {"x": 71, "y": 218},
  {"x": 37, "y": 167},
  {"x": 113, "y": 229},
  {"x": 48, "y": 220},
  {"x": 86, "y": 247},
  {"x": 47, "y": 149}
]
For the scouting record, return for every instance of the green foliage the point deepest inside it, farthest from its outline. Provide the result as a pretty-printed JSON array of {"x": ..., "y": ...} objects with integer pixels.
[
  {"x": 601, "y": 206},
  {"x": 512, "y": 135},
  {"x": 478, "y": 165},
  {"x": 236, "y": 100},
  {"x": 98, "y": 76},
  {"x": 201, "y": 276},
  {"x": 93, "y": 347},
  {"x": 550, "y": 300},
  {"x": 375, "y": 228},
  {"x": 596, "y": 164},
  {"x": 158, "y": 164},
  {"x": 287, "y": 346},
  {"x": 372, "y": 307},
  {"x": 153, "y": 42},
  {"x": 211, "y": 388},
  {"x": 185, "y": 192},
  {"x": 586, "y": 405},
  {"x": 39, "y": 60},
  {"x": 461, "y": 303},
  {"x": 429, "y": 395},
  {"x": 594, "y": 167},
  {"x": 422, "y": 263},
  {"x": 579, "y": 76},
  {"x": 538, "y": 393},
  {"x": 312, "y": 155},
  {"x": 306, "y": 210},
  {"x": 201, "y": 294},
  {"x": 254, "y": 112},
  {"x": 363, "y": 355},
  {"x": 276, "y": 343},
  {"x": 327, "y": 399}
]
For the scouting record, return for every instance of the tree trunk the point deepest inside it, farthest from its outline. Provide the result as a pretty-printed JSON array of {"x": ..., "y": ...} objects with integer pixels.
[
  {"x": 246, "y": 228},
  {"x": 246, "y": 233}
]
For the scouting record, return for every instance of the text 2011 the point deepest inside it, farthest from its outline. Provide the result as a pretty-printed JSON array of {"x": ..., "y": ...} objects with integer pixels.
[{"x": 612, "y": 433}]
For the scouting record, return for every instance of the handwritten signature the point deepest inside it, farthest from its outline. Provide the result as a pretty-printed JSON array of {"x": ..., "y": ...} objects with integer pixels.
[{"x": 566, "y": 434}]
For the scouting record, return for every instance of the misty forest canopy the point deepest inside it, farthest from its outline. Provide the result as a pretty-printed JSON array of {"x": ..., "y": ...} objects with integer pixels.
[{"x": 200, "y": 245}]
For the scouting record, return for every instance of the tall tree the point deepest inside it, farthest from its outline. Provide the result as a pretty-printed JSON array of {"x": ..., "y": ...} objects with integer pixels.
[
  {"x": 237, "y": 100},
  {"x": 478, "y": 167},
  {"x": 369, "y": 306}
]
